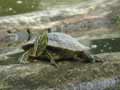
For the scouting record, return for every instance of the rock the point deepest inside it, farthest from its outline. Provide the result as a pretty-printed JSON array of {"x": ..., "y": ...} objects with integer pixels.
[{"x": 70, "y": 76}]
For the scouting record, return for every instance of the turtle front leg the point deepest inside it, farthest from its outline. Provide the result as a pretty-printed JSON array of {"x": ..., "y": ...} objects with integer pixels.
[
  {"x": 25, "y": 57},
  {"x": 51, "y": 58}
]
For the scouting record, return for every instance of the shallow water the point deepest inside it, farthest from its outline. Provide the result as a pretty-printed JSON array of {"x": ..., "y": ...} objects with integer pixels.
[
  {"x": 105, "y": 45},
  {"x": 11, "y": 7},
  {"x": 17, "y": 6}
]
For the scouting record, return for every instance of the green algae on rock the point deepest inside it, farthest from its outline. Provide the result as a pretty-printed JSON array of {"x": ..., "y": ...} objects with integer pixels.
[{"x": 38, "y": 75}]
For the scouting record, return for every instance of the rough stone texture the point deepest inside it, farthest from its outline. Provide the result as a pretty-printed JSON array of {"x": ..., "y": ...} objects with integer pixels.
[
  {"x": 93, "y": 85},
  {"x": 70, "y": 76}
]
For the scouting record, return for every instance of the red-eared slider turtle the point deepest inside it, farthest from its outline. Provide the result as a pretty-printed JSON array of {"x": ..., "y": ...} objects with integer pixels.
[{"x": 54, "y": 46}]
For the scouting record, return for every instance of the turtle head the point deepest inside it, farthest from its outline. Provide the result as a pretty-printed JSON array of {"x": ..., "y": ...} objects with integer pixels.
[
  {"x": 43, "y": 40},
  {"x": 40, "y": 43}
]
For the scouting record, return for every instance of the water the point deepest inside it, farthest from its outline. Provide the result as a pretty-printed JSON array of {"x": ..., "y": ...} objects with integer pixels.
[
  {"x": 105, "y": 45},
  {"x": 11, "y": 7}
]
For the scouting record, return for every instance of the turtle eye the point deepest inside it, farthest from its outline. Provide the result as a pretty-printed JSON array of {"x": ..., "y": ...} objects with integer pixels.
[
  {"x": 41, "y": 43},
  {"x": 43, "y": 40}
]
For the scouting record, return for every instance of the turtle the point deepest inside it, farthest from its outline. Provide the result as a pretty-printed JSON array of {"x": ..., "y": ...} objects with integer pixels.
[{"x": 55, "y": 46}]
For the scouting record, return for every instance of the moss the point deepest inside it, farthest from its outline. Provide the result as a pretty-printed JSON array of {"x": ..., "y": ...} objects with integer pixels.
[
  {"x": 116, "y": 21},
  {"x": 116, "y": 87},
  {"x": 67, "y": 72},
  {"x": 33, "y": 5},
  {"x": 82, "y": 72}
]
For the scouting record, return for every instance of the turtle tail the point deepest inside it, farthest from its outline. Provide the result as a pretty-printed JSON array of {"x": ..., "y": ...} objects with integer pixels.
[{"x": 86, "y": 56}]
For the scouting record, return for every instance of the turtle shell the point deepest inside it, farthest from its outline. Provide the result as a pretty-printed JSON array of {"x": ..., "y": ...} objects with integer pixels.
[
  {"x": 61, "y": 40},
  {"x": 64, "y": 41}
]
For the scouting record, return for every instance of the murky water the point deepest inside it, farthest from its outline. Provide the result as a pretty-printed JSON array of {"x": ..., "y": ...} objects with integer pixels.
[
  {"x": 17, "y": 6},
  {"x": 10, "y": 7},
  {"x": 105, "y": 45}
]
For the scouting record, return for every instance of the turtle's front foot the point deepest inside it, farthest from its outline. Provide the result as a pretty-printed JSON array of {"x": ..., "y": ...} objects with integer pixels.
[
  {"x": 51, "y": 58},
  {"x": 23, "y": 59}
]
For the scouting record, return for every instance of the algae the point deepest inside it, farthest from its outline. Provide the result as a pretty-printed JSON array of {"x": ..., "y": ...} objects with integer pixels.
[
  {"x": 116, "y": 87},
  {"x": 45, "y": 75}
]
